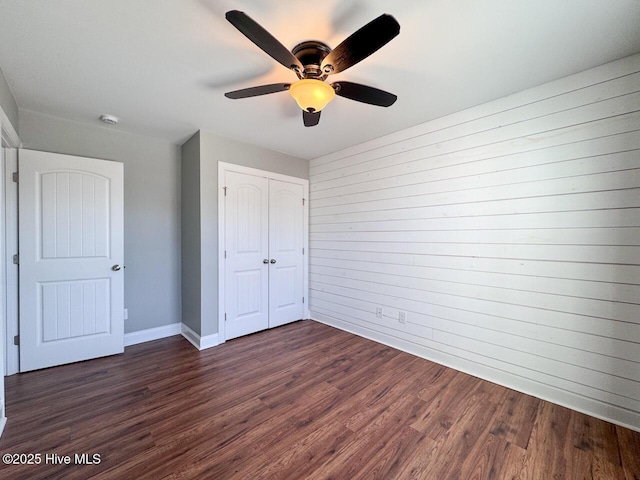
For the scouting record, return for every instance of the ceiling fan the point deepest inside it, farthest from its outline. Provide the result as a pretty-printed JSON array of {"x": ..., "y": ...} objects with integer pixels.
[{"x": 313, "y": 61}]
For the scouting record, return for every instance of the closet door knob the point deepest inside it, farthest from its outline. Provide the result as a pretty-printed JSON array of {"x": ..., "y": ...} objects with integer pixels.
[
  {"x": 265, "y": 260},
  {"x": 273, "y": 260}
]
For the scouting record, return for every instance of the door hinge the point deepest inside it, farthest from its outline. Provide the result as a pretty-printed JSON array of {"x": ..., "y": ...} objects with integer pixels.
[
  {"x": 225, "y": 191},
  {"x": 14, "y": 176},
  {"x": 303, "y": 250},
  {"x": 302, "y": 299},
  {"x": 225, "y": 254},
  {"x": 16, "y": 259},
  {"x": 303, "y": 202},
  {"x": 225, "y": 317},
  {"x": 16, "y": 340}
]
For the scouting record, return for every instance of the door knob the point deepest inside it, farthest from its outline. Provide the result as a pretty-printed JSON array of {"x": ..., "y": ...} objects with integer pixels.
[
  {"x": 265, "y": 261},
  {"x": 115, "y": 268},
  {"x": 273, "y": 260}
]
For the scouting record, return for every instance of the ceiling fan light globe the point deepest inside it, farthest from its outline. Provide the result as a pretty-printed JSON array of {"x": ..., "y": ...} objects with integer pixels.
[{"x": 312, "y": 95}]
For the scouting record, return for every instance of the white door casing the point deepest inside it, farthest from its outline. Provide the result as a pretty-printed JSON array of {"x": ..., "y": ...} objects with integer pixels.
[
  {"x": 286, "y": 286},
  {"x": 8, "y": 139},
  {"x": 247, "y": 249},
  {"x": 71, "y": 259},
  {"x": 11, "y": 269},
  {"x": 3, "y": 285}
]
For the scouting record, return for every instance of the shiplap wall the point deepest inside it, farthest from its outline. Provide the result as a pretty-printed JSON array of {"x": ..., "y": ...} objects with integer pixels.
[{"x": 509, "y": 233}]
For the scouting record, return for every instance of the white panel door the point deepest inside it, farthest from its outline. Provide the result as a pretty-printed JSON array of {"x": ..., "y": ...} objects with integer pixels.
[
  {"x": 286, "y": 240},
  {"x": 71, "y": 253},
  {"x": 247, "y": 253}
]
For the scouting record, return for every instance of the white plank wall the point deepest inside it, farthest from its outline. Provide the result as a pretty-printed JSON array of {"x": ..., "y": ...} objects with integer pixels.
[{"x": 507, "y": 234}]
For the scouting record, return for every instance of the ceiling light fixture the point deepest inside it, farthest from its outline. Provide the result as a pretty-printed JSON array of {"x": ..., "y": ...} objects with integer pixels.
[
  {"x": 312, "y": 61},
  {"x": 109, "y": 119},
  {"x": 312, "y": 95}
]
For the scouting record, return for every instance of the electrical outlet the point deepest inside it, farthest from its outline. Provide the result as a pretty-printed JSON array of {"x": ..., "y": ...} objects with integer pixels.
[
  {"x": 402, "y": 317},
  {"x": 379, "y": 312}
]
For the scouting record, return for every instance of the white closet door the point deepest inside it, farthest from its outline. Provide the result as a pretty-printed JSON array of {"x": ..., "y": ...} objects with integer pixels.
[
  {"x": 286, "y": 237},
  {"x": 247, "y": 254},
  {"x": 71, "y": 254}
]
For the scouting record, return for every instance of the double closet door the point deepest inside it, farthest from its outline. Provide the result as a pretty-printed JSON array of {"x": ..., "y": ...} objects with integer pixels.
[{"x": 264, "y": 256}]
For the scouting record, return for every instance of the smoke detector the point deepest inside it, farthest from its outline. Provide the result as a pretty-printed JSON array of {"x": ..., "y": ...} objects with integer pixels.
[{"x": 109, "y": 119}]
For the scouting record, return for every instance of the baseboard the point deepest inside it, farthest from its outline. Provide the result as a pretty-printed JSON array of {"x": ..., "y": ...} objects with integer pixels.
[
  {"x": 3, "y": 422},
  {"x": 201, "y": 343},
  {"x": 209, "y": 341},
  {"x": 603, "y": 411},
  {"x": 198, "y": 341},
  {"x": 141, "y": 336}
]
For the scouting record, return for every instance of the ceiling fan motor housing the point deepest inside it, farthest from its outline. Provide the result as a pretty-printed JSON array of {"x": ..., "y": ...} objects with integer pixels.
[{"x": 311, "y": 53}]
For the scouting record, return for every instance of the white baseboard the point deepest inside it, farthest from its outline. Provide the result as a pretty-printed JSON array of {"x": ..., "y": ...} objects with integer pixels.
[
  {"x": 133, "y": 338},
  {"x": 208, "y": 341},
  {"x": 3, "y": 422},
  {"x": 607, "y": 412},
  {"x": 197, "y": 341}
]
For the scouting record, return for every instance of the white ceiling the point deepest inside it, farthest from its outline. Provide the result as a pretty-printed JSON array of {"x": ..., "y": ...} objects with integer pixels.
[{"x": 162, "y": 66}]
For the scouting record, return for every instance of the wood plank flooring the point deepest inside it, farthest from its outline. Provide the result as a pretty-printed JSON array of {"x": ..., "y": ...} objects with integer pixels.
[{"x": 303, "y": 401}]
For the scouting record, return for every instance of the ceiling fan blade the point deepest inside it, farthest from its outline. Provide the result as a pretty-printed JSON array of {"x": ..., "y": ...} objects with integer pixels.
[
  {"x": 310, "y": 119},
  {"x": 263, "y": 39},
  {"x": 370, "y": 38},
  {"x": 364, "y": 94},
  {"x": 256, "y": 91}
]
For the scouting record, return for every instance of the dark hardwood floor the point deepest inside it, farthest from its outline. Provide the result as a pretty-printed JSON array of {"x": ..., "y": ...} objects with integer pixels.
[{"x": 300, "y": 401}]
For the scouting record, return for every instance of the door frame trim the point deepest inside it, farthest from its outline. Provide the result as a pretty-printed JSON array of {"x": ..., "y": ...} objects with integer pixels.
[
  {"x": 223, "y": 168},
  {"x": 9, "y": 248},
  {"x": 9, "y": 241},
  {"x": 10, "y": 140}
]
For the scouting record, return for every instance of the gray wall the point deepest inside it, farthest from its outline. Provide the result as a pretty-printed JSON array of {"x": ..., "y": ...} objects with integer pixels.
[
  {"x": 219, "y": 149},
  {"x": 151, "y": 211},
  {"x": 7, "y": 102},
  {"x": 191, "y": 266},
  {"x": 214, "y": 149}
]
